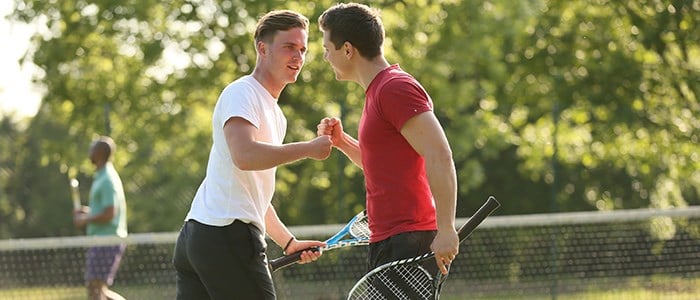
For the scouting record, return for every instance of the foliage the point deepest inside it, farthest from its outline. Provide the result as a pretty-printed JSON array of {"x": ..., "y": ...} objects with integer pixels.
[{"x": 592, "y": 103}]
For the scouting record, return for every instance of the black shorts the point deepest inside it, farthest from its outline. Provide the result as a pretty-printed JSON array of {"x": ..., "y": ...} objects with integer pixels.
[
  {"x": 401, "y": 246},
  {"x": 226, "y": 262}
]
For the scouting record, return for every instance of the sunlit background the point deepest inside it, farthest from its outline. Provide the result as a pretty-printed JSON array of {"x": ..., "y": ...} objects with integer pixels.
[
  {"x": 18, "y": 96},
  {"x": 555, "y": 107}
]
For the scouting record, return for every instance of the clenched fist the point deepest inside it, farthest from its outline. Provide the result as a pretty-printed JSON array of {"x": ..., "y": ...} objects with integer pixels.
[{"x": 320, "y": 147}]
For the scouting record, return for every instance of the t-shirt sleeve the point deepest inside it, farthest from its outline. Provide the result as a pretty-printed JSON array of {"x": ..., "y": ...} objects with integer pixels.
[
  {"x": 105, "y": 195},
  {"x": 402, "y": 99},
  {"x": 238, "y": 101}
]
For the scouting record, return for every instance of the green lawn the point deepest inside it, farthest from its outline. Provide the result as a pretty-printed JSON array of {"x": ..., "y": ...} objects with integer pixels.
[
  {"x": 638, "y": 288},
  {"x": 73, "y": 293}
]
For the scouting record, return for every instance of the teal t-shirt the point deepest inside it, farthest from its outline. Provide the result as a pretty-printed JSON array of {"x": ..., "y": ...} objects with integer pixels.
[{"x": 107, "y": 191}]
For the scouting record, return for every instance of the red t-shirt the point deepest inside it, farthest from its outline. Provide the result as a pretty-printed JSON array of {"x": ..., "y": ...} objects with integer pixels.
[{"x": 398, "y": 195}]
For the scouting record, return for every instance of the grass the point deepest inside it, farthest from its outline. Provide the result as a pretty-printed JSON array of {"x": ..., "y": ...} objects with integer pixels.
[
  {"x": 657, "y": 287},
  {"x": 637, "y": 288},
  {"x": 54, "y": 293},
  {"x": 79, "y": 292}
]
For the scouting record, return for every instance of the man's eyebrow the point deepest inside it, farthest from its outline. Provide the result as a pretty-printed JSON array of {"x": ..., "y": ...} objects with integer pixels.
[{"x": 292, "y": 44}]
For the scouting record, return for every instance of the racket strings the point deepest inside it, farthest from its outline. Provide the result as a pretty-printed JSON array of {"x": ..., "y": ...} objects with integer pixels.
[
  {"x": 360, "y": 228},
  {"x": 408, "y": 275},
  {"x": 398, "y": 282}
]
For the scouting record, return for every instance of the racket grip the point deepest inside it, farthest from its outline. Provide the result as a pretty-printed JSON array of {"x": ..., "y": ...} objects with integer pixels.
[{"x": 287, "y": 260}]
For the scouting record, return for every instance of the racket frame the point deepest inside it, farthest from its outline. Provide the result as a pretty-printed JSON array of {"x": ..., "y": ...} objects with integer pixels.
[
  {"x": 337, "y": 241},
  {"x": 464, "y": 232}
]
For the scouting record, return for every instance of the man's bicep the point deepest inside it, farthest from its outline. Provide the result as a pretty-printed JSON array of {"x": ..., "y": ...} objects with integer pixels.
[
  {"x": 240, "y": 136},
  {"x": 107, "y": 194},
  {"x": 424, "y": 133},
  {"x": 104, "y": 198}
]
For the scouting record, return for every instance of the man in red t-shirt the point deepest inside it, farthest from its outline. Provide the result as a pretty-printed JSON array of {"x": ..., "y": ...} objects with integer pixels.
[{"x": 401, "y": 147}]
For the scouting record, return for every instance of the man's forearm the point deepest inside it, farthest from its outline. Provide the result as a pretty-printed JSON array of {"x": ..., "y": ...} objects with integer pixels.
[
  {"x": 351, "y": 148},
  {"x": 263, "y": 156},
  {"x": 442, "y": 179},
  {"x": 105, "y": 216}
]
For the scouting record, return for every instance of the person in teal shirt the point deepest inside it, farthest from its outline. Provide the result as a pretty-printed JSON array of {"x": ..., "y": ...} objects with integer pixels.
[{"x": 105, "y": 216}]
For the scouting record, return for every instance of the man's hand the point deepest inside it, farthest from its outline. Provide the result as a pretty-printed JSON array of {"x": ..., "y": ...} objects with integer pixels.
[
  {"x": 306, "y": 256},
  {"x": 332, "y": 127},
  {"x": 446, "y": 247},
  {"x": 320, "y": 147},
  {"x": 80, "y": 218}
]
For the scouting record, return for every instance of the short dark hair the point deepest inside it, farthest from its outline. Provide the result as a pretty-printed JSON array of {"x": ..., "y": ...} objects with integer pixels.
[
  {"x": 278, "y": 20},
  {"x": 357, "y": 24},
  {"x": 105, "y": 146}
]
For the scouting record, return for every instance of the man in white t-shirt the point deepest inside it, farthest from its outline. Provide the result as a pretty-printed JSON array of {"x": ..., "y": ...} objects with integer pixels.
[{"x": 220, "y": 252}]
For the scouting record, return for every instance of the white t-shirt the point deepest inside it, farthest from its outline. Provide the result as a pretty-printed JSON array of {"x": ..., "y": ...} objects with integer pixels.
[{"x": 228, "y": 193}]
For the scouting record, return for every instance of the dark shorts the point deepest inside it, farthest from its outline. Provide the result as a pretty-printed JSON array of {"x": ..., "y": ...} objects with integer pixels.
[
  {"x": 102, "y": 263},
  {"x": 401, "y": 246},
  {"x": 227, "y": 262}
]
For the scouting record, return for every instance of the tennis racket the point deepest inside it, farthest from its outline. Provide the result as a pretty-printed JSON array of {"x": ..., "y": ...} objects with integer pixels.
[
  {"x": 408, "y": 278},
  {"x": 355, "y": 233},
  {"x": 75, "y": 193}
]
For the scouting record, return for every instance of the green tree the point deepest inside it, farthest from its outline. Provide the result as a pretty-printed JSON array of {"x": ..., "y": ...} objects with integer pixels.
[
  {"x": 591, "y": 103},
  {"x": 624, "y": 131},
  {"x": 148, "y": 74}
]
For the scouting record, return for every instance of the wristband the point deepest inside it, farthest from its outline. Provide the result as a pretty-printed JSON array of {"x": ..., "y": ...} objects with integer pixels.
[{"x": 288, "y": 243}]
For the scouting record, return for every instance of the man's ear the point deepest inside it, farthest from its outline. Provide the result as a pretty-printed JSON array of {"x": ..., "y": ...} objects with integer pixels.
[
  {"x": 261, "y": 47},
  {"x": 349, "y": 50}
]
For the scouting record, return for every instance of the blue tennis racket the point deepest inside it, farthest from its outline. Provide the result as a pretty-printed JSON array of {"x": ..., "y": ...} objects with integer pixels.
[{"x": 355, "y": 233}]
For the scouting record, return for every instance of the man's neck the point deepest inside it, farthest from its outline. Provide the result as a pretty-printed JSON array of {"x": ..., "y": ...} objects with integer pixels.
[
  {"x": 368, "y": 70},
  {"x": 100, "y": 165},
  {"x": 268, "y": 82}
]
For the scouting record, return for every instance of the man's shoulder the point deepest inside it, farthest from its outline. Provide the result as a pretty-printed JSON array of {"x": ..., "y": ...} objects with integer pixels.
[
  {"x": 245, "y": 87},
  {"x": 240, "y": 83},
  {"x": 105, "y": 182},
  {"x": 395, "y": 77},
  {"x": 107, "y": 178}
]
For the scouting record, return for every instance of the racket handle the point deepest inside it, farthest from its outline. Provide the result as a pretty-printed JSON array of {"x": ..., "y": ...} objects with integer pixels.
[
  {"x": 288, "y": 260},
  {"x": 484, "y": 211},
  {"x": 75, "y": 193}
]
